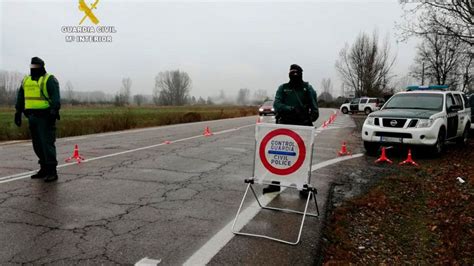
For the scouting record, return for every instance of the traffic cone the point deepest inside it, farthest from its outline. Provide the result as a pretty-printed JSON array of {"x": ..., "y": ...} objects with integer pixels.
[
  {"x": 325, "y": 124},
  {"x": 258, "y": 120},
  {"x": 409, "y": 160},
  {"x": 75, "y": 155},
  {"x": 383, "y": 157},
  {"x": 207, "y": 132},
  {"x": 343, "y": 150}
]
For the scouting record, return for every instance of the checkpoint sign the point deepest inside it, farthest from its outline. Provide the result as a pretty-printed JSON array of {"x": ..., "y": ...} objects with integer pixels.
[{"x": 283, "y": 153}]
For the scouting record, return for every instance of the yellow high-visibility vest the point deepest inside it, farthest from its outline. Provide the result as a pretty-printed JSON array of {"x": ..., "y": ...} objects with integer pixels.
[{"x": 36, "y": 94}]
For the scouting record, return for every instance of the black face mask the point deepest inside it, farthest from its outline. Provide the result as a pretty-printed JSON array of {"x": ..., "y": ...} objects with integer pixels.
[
  {"x": 296, "y": 78},
  {"x": 36, "y": 73}
]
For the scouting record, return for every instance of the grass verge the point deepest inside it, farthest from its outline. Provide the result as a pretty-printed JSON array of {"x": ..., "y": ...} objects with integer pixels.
[{"x": 419, "y": 215}]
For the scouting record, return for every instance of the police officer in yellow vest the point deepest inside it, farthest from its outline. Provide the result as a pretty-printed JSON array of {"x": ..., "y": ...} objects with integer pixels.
[{"x": 38, "y": 98}]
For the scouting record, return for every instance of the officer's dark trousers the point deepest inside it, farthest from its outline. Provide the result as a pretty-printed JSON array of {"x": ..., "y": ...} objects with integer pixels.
[{"x": 43, "y": 136}]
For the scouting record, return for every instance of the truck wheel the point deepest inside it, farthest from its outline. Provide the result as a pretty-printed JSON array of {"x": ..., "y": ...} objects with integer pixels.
[
  {"x": 438, "y": 148},
  {"x": 344, "y": 110},
  {"x": 367, "y": 111},
  {"x": 462, "y": 140},
  {"x": 371, "y": 148}
]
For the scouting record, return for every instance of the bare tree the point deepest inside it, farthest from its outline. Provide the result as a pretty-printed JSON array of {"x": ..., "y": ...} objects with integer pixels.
[
  {"x": 123, "y": 96},
  {"x": 209, "y": 101},
  {"x": 402, "y": 82},
  {"x": 156, "y": 92},
  {"x": 221, "y": 96},
  {"x": 366, "y": 65},
  {"x": 466, "y": 70},
  {"x": 69, "y": 91},
  {"x": 260, "y": 96},
  {"x": 243, "y": 96},
  {"x": 10, "y": 81},
  {"x": 201, "y": 101},
  {"x": 126, "y": 89},
  {"x": 172, "y": 87},
  {"x": 452, "y": 18},
  {"x": 439, "y": 59},
  {"x": 193, "y": 100},
  {"x": 138, "y": 99},
  {"x": 3, "y": 87},
  {"x": 326, "y": 94}
]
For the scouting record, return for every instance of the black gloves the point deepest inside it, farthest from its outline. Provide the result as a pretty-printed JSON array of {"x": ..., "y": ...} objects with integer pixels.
[
  {"x": 54, "y": 114},
  {"x": 297, "y": 111},
  {"x": 18, "y": 119}
]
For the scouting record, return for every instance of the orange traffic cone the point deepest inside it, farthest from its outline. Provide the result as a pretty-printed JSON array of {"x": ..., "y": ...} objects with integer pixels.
[
  {"x": 207, "y": 132},
  {"x": 343, "y": 150},
  {"x": 258, "y": 120},
  {"x": 409, "y": 160},
  {"x": 75, "y": 155},
  {"x": 325, "y": 124},
  {"x": 383, "y": 157}
]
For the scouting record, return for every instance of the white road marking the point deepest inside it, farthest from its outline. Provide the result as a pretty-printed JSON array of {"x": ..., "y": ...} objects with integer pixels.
[
  {"x": 19, "y": 176},
  {"x": 335, "y": 160},
  {"x": 219, "y": 240},
  {"x": 77, "y": 138},
  {"x": 235, "y": 149},
  {"x": 11, "y": 142},
  {"x": 147, "y": 262},
  {"x": 99, "y": 135},
  {"x": 15, "y": 175},
  {"x": 204, "y": 254}
]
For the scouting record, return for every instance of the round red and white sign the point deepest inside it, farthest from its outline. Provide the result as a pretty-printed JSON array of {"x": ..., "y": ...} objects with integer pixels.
[{"x": 282, "y": 151}]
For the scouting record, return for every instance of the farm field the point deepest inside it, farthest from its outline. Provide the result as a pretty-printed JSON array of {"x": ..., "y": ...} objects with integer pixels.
[{"x": 83, "y": 120}]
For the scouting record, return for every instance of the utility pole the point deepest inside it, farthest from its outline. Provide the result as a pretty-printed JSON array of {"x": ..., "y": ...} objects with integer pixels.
[{"x": 423, "y": 73}]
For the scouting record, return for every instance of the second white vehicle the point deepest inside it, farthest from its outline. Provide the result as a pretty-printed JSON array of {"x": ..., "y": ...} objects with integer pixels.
[{"x": 364, "y": 104}]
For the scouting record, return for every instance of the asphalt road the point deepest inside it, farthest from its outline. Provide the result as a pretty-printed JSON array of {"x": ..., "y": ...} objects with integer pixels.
[{"x": 136, "y": 196}]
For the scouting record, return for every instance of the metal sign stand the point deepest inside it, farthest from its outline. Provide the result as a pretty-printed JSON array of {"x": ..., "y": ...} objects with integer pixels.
[
  {"x": 311, "y": 192},
  {"x": 306, "y": 187}
]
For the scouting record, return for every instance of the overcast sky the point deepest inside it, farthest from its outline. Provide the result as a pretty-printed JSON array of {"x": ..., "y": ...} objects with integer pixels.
[{"x": 221, "y": 45}]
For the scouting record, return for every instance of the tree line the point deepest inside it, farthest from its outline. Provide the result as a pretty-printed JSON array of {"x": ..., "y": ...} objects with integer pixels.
[
  {"x": 444, "y": 55},
  {"x": 172, "y": 88}
]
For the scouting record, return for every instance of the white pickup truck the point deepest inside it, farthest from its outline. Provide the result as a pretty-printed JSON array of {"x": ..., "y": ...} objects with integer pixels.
[
  {"x": 420, "y": 118},
  {"x": 364, "y": 104}
]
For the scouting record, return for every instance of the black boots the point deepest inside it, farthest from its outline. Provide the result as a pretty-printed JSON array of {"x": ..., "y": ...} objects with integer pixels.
[
  {"x": 304, "y": 194},
  {"x": 51, "y": 177},
  {"x": 41, "y": 173},
  {"x": 52, "y": 174},
  {"x": 48, "y": 173},
  {"x": 272, "y": 188},
  {"x": 276, "y": 188}
]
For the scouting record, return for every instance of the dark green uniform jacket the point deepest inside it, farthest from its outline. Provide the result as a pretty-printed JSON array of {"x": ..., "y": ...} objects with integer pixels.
[{"x": 296, "y": 106}]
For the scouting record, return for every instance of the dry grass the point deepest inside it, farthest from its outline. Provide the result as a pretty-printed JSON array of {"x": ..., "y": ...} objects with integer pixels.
[
  {"x": 418, "y": 216},
  {"x": 77, "y": 121}
]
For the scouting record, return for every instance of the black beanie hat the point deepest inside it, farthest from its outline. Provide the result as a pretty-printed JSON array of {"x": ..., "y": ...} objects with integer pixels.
[
  {"x": 296, "y": 67},
  {"x": 37, "y": 61}
]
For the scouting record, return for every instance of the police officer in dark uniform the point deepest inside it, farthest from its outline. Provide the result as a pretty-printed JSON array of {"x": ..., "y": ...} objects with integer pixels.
[
  {"x": 295, "y": 103},
  {"x": 38, "y": 98}
]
